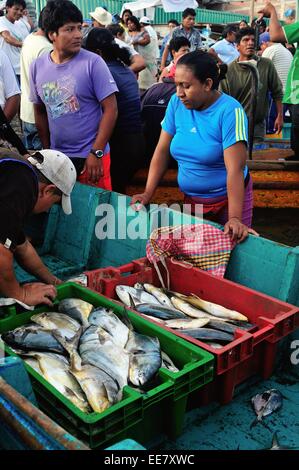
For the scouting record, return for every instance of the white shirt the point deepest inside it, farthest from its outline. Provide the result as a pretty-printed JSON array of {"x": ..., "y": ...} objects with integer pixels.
[
  {"x": 281, "y": 58},
  {"x": 12, "y": 52},
  {"x": 226, "y": 51},
  {"x": 154, "y": 39},
  {"x": 33, "y": 47},
  {"x": 8, "y": 82},
  {"x": 126, "y": 46}
]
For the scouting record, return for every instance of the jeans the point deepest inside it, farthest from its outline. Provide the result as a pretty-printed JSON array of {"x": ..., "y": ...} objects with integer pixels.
[
  {"x": 294, "y": 110},
  {"x": 31, "y": 138}
]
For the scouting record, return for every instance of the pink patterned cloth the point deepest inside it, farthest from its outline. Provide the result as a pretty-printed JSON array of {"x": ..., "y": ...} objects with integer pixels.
[{"x": 201, "y": 245}]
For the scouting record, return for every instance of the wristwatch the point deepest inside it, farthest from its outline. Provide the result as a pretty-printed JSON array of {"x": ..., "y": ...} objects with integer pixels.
[{"x": 97, "y": 153}]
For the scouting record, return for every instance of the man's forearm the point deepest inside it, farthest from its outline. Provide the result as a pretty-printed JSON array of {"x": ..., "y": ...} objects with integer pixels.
[
  {"x": 137, "y": 63},
  {"x": 11, "y": 107},
  {"x": 164, "y": 56},
  {"x": 28, "y": 258},
  {"x": 9, "y": 285},
  {"x": 279, "y": 107},
  {"x": 42, "y": 125},
  {"x": 275, "y": 29}
]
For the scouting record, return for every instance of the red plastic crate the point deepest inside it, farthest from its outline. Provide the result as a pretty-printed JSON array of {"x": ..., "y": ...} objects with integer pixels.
[{"x": 249, "y": 353}]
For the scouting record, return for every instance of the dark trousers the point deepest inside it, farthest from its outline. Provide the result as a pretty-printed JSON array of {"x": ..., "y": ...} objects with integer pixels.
[
  {"x": 127, "y": 156},
  {"x": 294, "y": 110}
]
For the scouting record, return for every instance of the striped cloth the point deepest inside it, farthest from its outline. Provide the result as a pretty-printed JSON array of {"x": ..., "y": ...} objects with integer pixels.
[{"x": 201, "y": 245}]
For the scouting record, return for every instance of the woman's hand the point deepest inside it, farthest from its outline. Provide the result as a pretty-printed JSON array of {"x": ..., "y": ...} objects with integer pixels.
[
  {"x": 139, "y": 200},
  {"x": 237, "y": 230}
]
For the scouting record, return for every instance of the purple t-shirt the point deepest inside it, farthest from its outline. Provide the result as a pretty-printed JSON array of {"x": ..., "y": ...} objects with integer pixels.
[{"x": 72, "y": 93}]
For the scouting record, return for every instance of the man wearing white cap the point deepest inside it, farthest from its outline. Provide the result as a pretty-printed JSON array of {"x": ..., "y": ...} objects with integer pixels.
[
  {"x": 30, "y": 186},
  {"x": 146, "y": 22},
  {"x": 101, "y": 17}
]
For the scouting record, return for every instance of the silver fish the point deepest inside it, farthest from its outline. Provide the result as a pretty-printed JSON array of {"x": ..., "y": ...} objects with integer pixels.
[
  {"x": 77, "y": 309},
  {"x": 124, "y": 293},
  {"x": 222, "y": 326},
  {"x": 190, "y": 323},
  {"x": 168, "y": 363},
  {"x": 145, "y": 358},
  {"x": 209, "y": 334},
  {"x": 55, "y": 369},
  {"x": 187, "y": 308},
  {"x": 212, "y": 344},
  {"x": 265, "y": 403},
  {"x": 98, "y": 349},
  {"x": 65, "y": 329},
  {"x": 158, "y": 311},
  {"x": 110, "y": 323},
  {"x": 101, "y": 389},
  {"x": 159, "y": 294},
  {"x": 33, "y": 337}
]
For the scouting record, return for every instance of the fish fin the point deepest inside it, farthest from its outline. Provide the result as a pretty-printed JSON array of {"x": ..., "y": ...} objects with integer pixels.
[
  {"x": 76, "y": 361},
  {"x": 275, "y": 442},
  {"x": 126, "y": 320}
]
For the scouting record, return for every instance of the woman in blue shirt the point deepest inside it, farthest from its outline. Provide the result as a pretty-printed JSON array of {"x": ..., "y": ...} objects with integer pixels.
[{"x": 206, "y": 132}]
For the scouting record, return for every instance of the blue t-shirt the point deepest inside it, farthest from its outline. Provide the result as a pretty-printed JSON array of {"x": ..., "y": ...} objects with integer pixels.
[
  {"x": 128, "y": 98},
  {"x": 199, "y": 141}
]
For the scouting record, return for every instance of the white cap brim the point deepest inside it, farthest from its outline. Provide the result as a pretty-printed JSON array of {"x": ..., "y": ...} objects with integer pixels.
[{"x": 66, "y": 204}]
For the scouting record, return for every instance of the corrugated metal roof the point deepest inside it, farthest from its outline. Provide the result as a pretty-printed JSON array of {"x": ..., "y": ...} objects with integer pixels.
[{"x": 114, "y": 6}]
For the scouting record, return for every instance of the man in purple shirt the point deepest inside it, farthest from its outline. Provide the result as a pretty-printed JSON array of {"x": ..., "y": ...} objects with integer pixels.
[{"x": 73, "y": 93}]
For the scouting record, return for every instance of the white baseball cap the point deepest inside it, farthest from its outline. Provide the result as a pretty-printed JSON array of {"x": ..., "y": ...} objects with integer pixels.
[
  {"x": 145, "y": 20},
  {"x": 59, "y": 169},
  {"x": 102, "y": 16}
]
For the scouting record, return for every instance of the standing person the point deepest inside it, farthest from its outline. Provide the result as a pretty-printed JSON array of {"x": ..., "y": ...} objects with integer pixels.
[
  {"x": 289, "y": 33},
  {"x": 281, "y": 58},
  {"x": 26, "y": 187},
  {"x": 171, "y": 25},
  {"x": 73, "y": 94},
  {"x": 126, "y": 14},
  {"x": 141, "y": 41},
  {"x": 186, "y": 29},
  {"x": 34, "y": 46},
  {"x": 206, "y": 132},
  {"x": 9, "y": 88},
  {"x": 225, "y": 51},
  {"x": 238, "y": 83},
  {"x": 137, "y": 62},
  {"x": 127, "y": 132},
  {"x": 11, "y": 39},
  {"x": 146, "y": 22}
]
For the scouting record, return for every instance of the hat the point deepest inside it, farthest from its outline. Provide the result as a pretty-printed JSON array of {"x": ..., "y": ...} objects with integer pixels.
[
  {"x": 145, "y": 20},
  {"x": 102, "y": 16},
  {"x": 290, "y": 12},
  {"x": 264, "y": 37},
  {"x": 59, "y": 169}
]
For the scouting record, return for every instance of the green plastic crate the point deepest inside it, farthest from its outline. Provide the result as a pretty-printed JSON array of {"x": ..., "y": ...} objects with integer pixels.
[{"x": 138, "y": 416}]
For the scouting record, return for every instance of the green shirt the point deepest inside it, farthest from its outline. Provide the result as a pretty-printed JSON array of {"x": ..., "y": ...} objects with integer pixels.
[
  {"x": 291, "y": 95},
  {"x": 238, "y": 83}
]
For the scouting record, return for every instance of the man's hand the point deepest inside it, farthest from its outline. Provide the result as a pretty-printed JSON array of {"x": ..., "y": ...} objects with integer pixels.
[
  {"x": 36, "y": 293},
  {"x": 278, "y": 124},
  {"x": 94, "y": 168},
  {"x": 267, "y": 10}
]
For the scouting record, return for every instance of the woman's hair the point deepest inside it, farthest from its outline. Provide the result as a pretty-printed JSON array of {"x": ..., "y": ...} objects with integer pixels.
[
  {"x": 59, "y": 12},
  {"x": 135, "y": 20},
  {"x": 178, "y": 42},
  {"x": 101, "y": 40},
  {"x": 203, "y": 66},
  {"x": 174, "y": 22},
  {"x": 11, "y": 3},
  {"x": 126, "y": 11}
]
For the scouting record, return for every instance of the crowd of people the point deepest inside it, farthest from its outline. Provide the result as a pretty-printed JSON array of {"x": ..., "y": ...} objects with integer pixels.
[{"x": 95, "y": 105}]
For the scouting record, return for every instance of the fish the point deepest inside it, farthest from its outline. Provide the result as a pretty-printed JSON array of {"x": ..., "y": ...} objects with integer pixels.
[
  {"x": 110, "y": 323},
  {"x": 276, "y": 445},
  {"x": 168, "y": 363},
  {"x": 65, "y": 329},
  {"x": 101, "y": 390},
  {"x": 209, "y": 334},
  {"x": 181, "y": 324},
  {"x": 212, "y": 344},
  {"x": 215, "y": 309},
  {"x": 33, "y": 337},
  {"x": 145, "y": 358},
  {"x": 222, "y": 326},
  {"x": 77, "y": 309},
  {"x": 98, "y": 348},
  {"x": 265, "y": 403},
  {"x": 55, "y": 369},
  {"x": 124, "y": 293},
  {"x": 188, "y": 309},
  {"x": 159, "y": 294},
  {"x": 158, "y": 311}
]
